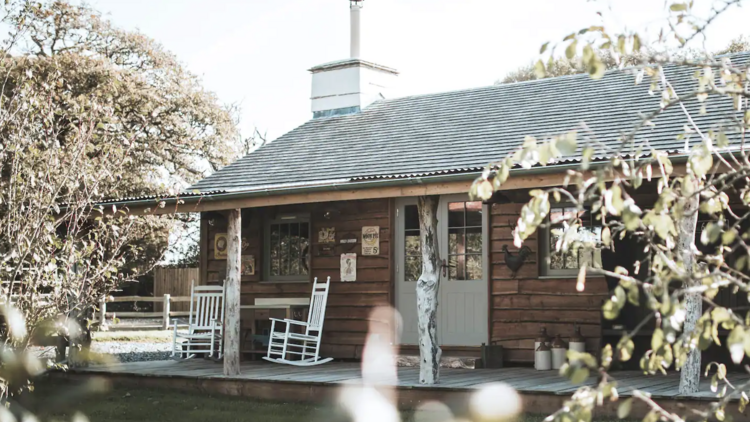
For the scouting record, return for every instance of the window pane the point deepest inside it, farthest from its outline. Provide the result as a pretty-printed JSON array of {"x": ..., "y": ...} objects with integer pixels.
[
  {"x": 453, "y": 270},
  {"x": 474, "y": 267},
  {"x": 474, "y": 240},
  {"x": 456, "y": 241},
  {"x": 571, "y": 260},
  {"x": 294, "y": 248},
  {"x": 304, "y": 245},
  {"x": 284, "y": 248},
  {"x": 413, "y": 244},
  {"x": 456, "y": 214},
  {"x": 412, "y": 268},
  {"x": 411, "y": 217},
  {"x": 275, "y": 263},
  {"x": 474, "y": 214}
]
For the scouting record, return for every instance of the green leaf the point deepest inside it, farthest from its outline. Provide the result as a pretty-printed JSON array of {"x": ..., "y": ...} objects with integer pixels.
[
  {"x": 701, "y": 162},
  {"x": 567, "y": 144},
  {"x": 606, "y": 236},
  {"x": 579, "y": 375},
  {"x": 587, "y": 155},
  {"x": 544, "y": 48},
  {"x": 570, "y": 51},
  {"x": 624, "y": 409},
  {"x": 678, "y": 7},
  {"x": 625, "y": 347},
  {"x": 657, "y": 339},
  {"x": 539, "y": 70}
]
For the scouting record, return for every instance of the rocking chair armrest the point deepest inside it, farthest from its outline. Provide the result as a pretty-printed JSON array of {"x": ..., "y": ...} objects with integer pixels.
[{"x": 288, "y": 321}]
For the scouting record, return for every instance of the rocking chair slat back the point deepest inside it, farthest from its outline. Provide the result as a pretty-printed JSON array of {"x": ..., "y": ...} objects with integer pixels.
[
  {"x": 318, "y": 302},
  {"x": 206, "y": 306}
]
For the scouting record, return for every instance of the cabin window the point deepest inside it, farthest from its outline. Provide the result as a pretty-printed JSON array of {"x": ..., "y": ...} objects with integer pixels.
[
  {"x": 568, "y": 263},
  {"x": 287, "y": 240}
]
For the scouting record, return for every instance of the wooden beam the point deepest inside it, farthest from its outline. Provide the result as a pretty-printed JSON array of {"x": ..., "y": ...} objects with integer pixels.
[
  {"x": 232, "y": 287},
  {"x": 520, "y": 182}
]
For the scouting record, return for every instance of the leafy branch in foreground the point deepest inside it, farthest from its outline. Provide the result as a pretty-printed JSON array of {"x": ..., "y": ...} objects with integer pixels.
[{"x": 636, "y": 189}]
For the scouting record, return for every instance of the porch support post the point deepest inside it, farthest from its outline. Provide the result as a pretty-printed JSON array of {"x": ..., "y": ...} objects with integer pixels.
[
  {"x": 427, "y": 291},
  {"x": 690, "y": 374},
  {"x": 232, "y": 286}
]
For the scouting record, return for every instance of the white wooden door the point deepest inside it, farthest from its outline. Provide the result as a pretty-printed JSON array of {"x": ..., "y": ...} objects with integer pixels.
[{"x": 462, "y": 307}]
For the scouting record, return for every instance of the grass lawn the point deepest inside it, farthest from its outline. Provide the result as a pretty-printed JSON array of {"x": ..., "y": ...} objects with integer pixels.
[{"x": 60, "y": 401}]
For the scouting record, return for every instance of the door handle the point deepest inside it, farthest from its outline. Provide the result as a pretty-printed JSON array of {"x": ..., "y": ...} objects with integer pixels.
[{"x": 445, "y": 267}]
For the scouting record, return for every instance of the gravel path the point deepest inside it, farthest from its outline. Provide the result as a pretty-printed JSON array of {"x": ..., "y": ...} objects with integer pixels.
[{"x": 123, "y": 350}]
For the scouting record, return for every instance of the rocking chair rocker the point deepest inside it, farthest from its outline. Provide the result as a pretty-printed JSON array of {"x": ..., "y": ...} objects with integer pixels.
[{"x": 305, "y": 345}]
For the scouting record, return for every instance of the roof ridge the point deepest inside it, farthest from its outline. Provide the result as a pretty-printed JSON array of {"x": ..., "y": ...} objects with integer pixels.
[{"x": 537, "y": 81}]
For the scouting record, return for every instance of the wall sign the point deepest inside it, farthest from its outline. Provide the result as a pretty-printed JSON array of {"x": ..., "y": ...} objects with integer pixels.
[
  {"x": 248, "y": 265},
  {"x": 371, "y": 240},
  {"x": 221, "y": 245},
  {"x": 348, "y": 267},
  {"x": 327, "y": 235}
]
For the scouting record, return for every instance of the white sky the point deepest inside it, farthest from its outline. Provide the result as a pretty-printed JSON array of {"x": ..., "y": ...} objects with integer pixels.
[{"x": 257, "y": 52}]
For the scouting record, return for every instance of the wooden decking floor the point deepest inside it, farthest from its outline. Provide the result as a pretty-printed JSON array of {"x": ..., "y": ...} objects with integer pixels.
[{"x": 524, "y": 380}]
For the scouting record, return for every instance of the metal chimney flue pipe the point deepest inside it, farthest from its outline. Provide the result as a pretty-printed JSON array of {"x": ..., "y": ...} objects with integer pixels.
[{"x": 355, "y": 6}]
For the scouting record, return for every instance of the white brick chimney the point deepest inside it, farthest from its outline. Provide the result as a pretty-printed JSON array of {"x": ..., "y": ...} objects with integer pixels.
[{"x": 348, "y": 86}]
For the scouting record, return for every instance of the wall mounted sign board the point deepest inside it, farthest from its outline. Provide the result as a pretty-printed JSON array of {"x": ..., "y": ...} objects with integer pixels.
[
  {"x": 221, "y": 245},
  {"x": 370, "y": 240},
  {"x": 348, "y": 267},
  {"x": 327, "y": 235}
]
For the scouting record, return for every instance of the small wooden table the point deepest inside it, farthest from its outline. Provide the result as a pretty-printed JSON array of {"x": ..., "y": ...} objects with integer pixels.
[{"x": 290, "y": 305}]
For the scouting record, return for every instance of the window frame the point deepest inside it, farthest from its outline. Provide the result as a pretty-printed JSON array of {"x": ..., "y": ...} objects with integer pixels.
[
  {"x": 544, "y": 246},
  {"x": 286, "y": 219}
]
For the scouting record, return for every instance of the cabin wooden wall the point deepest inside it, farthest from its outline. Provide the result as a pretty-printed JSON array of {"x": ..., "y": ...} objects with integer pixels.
[
  {"x": 520, "y": 306},
  {"x": 349, "y": 303}
]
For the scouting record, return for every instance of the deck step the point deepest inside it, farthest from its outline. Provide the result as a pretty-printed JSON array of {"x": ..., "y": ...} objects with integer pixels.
[{"x": 459, "y": 362}]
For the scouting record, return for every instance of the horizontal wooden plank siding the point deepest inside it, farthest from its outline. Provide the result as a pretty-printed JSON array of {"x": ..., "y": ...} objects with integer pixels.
[
  {"x": 521, "y": 305},
  {"x": 349, "y": 304}
]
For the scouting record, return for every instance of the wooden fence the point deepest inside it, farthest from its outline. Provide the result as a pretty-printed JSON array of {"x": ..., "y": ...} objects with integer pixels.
[
  {"x": 174, "y": 282},
  {"x": 166, "y": 301}
]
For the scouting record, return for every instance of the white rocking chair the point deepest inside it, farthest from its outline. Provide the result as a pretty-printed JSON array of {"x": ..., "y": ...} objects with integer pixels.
[
  {"x": 305, "y": 345},
  {"x": 205, "y": 333}
]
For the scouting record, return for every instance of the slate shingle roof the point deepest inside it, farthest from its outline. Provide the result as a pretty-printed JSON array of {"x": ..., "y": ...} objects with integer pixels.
[{"x": 462, "y": 131}]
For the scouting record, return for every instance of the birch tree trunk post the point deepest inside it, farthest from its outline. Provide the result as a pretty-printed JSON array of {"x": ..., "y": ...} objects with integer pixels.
[
  {"x": 690, "y": 373},
  {"x": 427, "y": 291},
  {"x": 232, "y": 286}
]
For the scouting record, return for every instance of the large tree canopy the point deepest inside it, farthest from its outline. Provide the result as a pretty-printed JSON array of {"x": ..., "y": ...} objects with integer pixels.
[
  {"x": 177, "y": 130},
  {"x": 136, "y": 94}
]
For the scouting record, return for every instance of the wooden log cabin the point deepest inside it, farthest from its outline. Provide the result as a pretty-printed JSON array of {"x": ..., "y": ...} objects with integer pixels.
[{"x": 304, "y": 199}]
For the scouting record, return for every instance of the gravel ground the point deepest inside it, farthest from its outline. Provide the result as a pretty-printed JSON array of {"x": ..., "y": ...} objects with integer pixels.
[
  {"x": 126, "y": 346},
  {"x": 123, "y": 351}
]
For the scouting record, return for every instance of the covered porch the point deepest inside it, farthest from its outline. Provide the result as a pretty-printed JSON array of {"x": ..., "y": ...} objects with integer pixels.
[{"x": 541, "y": 391}]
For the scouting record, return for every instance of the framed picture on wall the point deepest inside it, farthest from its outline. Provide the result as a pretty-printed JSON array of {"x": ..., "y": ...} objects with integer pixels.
[
  {"x": 348, "y": 267},
  {"x": 221, "y": 244},
  {"x": 248, "y": 265}
]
